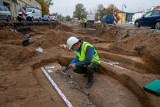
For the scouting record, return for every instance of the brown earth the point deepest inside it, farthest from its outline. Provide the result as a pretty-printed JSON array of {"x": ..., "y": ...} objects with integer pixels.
[{"x": 23, "y": 84}]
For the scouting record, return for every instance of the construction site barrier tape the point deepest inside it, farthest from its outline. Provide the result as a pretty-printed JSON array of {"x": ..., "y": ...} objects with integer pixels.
[{"x": 57, "y": 89}]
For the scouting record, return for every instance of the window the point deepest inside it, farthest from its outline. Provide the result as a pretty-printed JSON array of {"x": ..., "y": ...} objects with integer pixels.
[
  {"x": 45, "y": 16},
  {"x": 156, "y": 13},
  {"x": 148, "y": 14},
  {"x": 0, "y": 8},
  {"x": 6, "y": 9}
]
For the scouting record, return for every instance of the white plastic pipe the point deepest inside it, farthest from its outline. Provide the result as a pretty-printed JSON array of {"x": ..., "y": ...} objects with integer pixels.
[
  {"x": 110, "y": 63},
  {"x": 114, "y": 64},
  {"x": 57, "y": 89}
]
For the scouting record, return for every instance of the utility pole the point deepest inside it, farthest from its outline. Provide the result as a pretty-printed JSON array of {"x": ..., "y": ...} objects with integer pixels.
[
  {"x": 113, "y": 9},
  {"x": 122, "y": 11},
  {"x": 114, "y": 4}
]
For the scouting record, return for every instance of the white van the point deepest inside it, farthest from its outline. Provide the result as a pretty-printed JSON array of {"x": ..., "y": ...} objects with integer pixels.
[
  {"x": 5, "y": 14},
  {"x": 32, "y": 13},
  {"x": 91, "y": 18}
]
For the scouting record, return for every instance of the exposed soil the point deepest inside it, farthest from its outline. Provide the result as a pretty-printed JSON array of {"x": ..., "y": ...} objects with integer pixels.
[{"x": 23, "y": 84}]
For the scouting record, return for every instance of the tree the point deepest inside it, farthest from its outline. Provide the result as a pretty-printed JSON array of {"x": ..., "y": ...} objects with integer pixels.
[
  {"x": 100, "y": 7},
  {"x": 54, "y": 14},
  {"x": 45, "y": 7},
  {"x": 68, "y": 18},
  {"x": 110, "y": 10},
  {"x": 49, "y": 2},
  {"x": 60, "y": 17},
  {"x": 80, "y": 11},
  {"x": 99, "y": 11}
]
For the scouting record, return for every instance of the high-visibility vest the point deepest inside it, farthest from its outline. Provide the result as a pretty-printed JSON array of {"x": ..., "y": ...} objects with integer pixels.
[
  {"x": 84, "y": 20},
  {"x": 81, "y": 54}
]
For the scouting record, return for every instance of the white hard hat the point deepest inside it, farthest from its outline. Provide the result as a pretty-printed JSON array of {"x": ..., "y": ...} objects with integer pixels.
[{"x": 71, "y": 41}]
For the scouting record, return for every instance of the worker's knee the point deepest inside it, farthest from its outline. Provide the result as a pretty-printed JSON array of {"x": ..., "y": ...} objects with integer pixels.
[
  {"x": 79, "y": 70},
  {"x": 94, "y": 66}
]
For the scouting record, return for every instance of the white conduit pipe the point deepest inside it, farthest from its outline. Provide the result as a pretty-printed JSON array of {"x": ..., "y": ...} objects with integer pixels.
[
  {"x": 110, "y": 63},
  {"x": 114, "y": 64},
  {"x": 57, "y": 89}
]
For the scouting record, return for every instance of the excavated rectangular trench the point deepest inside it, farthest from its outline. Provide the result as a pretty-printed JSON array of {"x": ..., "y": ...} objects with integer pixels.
[{"x": 108, "y": 90}]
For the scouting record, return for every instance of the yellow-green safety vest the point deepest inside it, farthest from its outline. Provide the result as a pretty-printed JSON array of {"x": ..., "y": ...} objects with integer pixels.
[
  {"x": 85, "y": 20},
  {"x": 81, "y": 54}
]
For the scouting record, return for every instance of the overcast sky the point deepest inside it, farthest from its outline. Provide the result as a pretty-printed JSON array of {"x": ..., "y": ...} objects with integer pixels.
[{"x": 66, "y": 7}]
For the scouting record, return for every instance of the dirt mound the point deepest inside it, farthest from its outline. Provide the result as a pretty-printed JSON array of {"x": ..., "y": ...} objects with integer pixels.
[
  {"x": 139, "y": 42},
  {"x": 14, "y": 55},
  {"x": 63, "y": 27},
  {"x": 107, "y": 32},
  {"x": 142, "y": 43},
  {"x": 10, "y": 34},
  {"x": 38, "y": 29},
  {"x": 51, "y": 38}
]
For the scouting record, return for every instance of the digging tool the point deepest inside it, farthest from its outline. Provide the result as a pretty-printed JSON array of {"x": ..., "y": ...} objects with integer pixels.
[
  {"x": 64, "y": 70},
  {"x": 67, "y": 69}
]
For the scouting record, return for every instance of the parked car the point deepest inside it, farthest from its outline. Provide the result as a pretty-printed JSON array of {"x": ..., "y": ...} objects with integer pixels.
[
  {"x": 45, "y": 17},
  {"x": 32, "y": 13},
  {"x": 48, "y": 18},
  {"x": 150, "y": 19},
  {"x": 109, "y": 19},
  {"x": 90, "y": 18},
  {"x": 53, "y": 18},
  {"x": 5, "y": 14}
]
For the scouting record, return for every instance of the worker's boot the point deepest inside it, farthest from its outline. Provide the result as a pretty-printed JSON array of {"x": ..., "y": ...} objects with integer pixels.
[
  {"x": 89, "y": 83},
  {"x": 90, "y": 72},
  {"x": 91, "y": 68}
]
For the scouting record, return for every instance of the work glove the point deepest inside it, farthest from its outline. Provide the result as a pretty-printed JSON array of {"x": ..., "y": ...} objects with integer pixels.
[{"x": 72, "y": 65}]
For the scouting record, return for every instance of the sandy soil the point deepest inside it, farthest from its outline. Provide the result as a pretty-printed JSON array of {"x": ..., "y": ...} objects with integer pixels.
[{"x": 23, "y": 84}]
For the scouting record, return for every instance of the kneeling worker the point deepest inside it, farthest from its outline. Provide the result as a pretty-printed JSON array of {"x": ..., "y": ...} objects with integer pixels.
[{"x": 87, "y": 60}]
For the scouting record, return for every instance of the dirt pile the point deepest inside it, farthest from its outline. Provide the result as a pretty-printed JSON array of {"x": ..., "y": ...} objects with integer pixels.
[
  {"x": 16, "y": 54},
  {"x": 64, "y": 28},
  {"x": 12, "y": 52},
  {"x": 142, "y": 43},
  {"x": 138, "y": 42},
  {"x": 38, "y": 29},
  {"x": 10, "y": 34},
  {"x": 50, "y": 39},
  {"x": 110, "y": 33}
]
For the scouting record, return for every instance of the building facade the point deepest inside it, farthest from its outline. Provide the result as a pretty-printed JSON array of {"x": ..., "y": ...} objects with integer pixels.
[
  {"x": 122, "y": 17},
  {"x": 15, "y": 5},
  {"x": 129, "y": 17}
]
